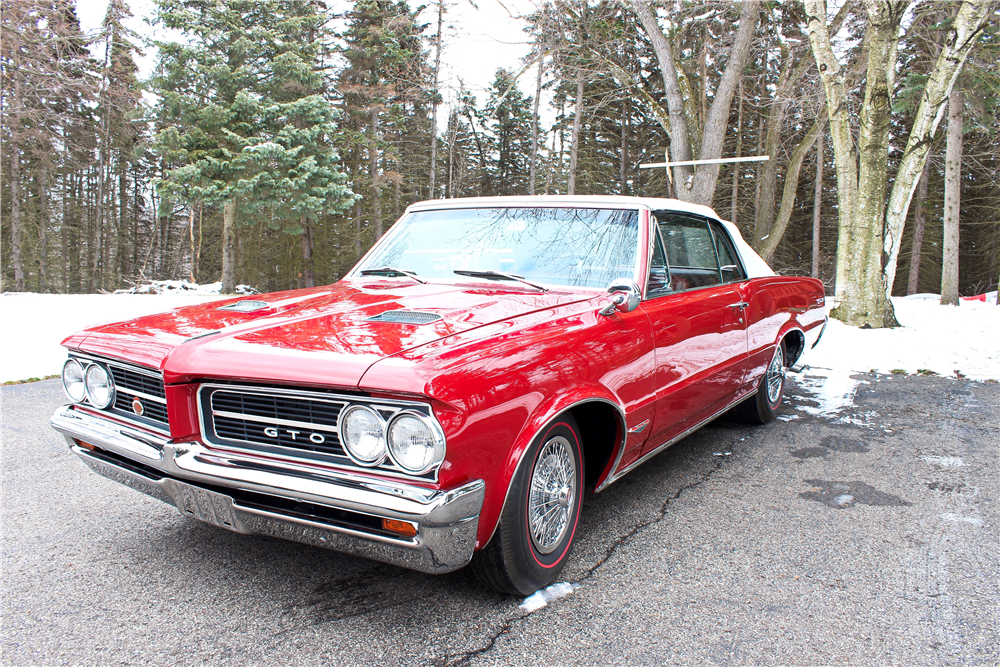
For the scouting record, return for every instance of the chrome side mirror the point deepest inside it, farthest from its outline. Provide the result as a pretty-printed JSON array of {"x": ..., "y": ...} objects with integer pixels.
[{"x": 625, "y": 297}]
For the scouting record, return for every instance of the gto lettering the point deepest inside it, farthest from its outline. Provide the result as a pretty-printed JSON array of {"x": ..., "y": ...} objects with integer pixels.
[{"x": 315, "y": 438}]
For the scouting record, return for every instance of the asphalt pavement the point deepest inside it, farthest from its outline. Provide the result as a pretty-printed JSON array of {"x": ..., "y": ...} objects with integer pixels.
[{"x": 867, "y": 537}]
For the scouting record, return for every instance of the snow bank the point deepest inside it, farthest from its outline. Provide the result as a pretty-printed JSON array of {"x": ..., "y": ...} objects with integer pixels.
[
  {"x": 35, "y": 324},
  {"x": 182, "y": 287},
  {"x": 941, "y": 339}
]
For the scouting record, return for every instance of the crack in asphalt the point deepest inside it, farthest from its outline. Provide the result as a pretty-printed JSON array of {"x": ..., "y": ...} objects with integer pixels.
[{"x": 463, "y": 659}]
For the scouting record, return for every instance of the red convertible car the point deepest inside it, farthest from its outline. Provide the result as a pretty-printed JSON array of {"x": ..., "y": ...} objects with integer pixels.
[{"x": 452, "y": 397}]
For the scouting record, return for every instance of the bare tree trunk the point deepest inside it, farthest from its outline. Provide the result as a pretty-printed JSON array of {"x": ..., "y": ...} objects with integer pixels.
[
  {"x": 791, "y": 186},
  {"x": 197, "y": 253},
  {"x": 194, "y": 248},
  {"x": 919, "y": 222},
  {"x": 680, "y": 146},
  {"x": 817, "y": 205},
  {"x": 952, "y": 200},
  {"x": 434, "y": 107},
  {"x": 623, "y": 150},
  {"x": 16, "y": 227},
  {"x": 228, "y": 247},
  {"x": 851, "y": 232},
  {"x": 533, "y": 168},
  {"x": 575, "y": 139},
  {"x": 453, "y": 127},
  {"x": 308, "y": 276},
  {"x": 43, "y": 224},
  {"x": 965, "y": 31},
  {"x": 739, "y": 153},
  {"x": 374, "y": 175},
  {"x": 769, "y": 170},
  {"x": 758, "y": 169}
]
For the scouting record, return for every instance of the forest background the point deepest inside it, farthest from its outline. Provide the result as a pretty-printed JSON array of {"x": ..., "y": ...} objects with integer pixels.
[{"x": 278, "y": 139}]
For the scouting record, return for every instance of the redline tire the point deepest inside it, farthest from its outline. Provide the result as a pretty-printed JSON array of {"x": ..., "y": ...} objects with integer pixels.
[
  {"x": 538, "y": 523},
  {"x": 762, "y": 407}
]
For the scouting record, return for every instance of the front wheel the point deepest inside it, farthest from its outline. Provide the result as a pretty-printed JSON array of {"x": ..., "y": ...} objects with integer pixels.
[
  {"x": 762, "y": 407},
  {"x": 533, "y": 538}
]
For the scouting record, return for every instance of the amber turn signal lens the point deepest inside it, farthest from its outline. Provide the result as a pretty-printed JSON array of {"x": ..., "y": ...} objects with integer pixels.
[
  {"x": 401, "y": 527},
  {"x": 85, "y": 445}
]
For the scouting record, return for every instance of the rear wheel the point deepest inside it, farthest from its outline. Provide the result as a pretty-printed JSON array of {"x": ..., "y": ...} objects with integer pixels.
[
  {"x": 532, "y": 541},
  {"x": 762, "y": 407}
]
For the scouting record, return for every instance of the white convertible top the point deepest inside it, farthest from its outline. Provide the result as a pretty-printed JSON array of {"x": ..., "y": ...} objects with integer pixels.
[{"x": 755, "y": 266}]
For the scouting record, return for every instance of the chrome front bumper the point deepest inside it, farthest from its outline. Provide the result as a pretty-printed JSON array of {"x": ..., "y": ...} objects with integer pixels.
[{"x": 253, "y": 495}]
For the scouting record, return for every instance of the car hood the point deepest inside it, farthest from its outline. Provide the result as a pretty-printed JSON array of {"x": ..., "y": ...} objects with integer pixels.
[{"x": 323, "y": 335}]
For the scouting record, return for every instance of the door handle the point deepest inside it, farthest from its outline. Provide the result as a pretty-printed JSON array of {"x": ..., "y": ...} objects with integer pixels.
[{"x": 741, "y": 304}]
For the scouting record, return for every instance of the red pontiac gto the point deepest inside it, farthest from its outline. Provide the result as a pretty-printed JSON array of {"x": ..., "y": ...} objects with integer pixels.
[{"x": 450, "y": 398}]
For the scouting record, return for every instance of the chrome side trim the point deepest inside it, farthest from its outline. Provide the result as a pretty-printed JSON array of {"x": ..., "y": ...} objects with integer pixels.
[
  {"x": 640, "y": 427},
  {"x": 614, "y": 477},
  {"x": 195, "y": 479}
]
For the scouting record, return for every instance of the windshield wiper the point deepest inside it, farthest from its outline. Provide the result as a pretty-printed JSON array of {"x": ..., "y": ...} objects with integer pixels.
[
  {"x": 500, "y": 275},
  {"x": 392, "y": 271}
]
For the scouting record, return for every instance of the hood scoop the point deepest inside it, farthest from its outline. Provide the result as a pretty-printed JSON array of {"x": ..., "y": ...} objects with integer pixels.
[
  {"x": 405, "y": 317},
  {"x": 246, "y": 306}
]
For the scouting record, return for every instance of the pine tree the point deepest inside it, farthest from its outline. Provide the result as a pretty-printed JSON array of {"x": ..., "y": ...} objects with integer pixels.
[
  {"x": 242, "y": 125},
  {"x": 508, "y": 114},
  {"x": 385, "y": 92}
]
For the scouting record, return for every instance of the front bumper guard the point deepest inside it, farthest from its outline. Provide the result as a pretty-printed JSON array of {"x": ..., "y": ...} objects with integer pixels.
[{"x": 233, "y": 490}]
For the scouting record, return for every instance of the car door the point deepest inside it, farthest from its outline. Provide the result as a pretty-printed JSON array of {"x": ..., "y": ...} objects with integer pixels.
[{"x": 696, "y": 312}]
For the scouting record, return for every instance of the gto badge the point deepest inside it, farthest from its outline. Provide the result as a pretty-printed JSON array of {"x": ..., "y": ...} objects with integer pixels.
[
  {"x": 315, "y": 438},
  {"x": 137, "y": 407}
]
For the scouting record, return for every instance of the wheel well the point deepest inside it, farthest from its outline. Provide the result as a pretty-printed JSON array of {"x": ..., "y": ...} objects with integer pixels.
[
  {"x": 599, "y": 430},
  {"x": 795, "y": 343}
]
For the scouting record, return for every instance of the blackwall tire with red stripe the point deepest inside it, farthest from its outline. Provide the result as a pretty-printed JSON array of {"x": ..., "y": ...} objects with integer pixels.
[{"x": 539, "y": 521}]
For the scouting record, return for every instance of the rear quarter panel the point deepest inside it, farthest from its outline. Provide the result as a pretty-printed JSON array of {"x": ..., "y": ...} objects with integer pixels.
[{"x": 777, "y": 305}]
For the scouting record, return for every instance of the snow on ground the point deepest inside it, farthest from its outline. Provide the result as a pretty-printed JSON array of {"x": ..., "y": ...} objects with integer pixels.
[
  {"x": 35, "y": 324},
  {"x": 942, "y": 339}
]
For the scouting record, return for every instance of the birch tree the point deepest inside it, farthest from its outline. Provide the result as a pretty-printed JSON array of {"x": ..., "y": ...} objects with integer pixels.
[
  {"x": 707, "y": 128},
  {"x": 871, "y": 217},
  {"x": 952, "y": 200}
]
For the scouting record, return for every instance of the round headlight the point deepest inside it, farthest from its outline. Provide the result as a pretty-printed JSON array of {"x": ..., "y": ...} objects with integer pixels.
[
  {"x": 416, "y": 443},
  {"x": 362, "y": 432},
  {"x": 72, "y": 379},
  {"x": 100, "y": 386}
]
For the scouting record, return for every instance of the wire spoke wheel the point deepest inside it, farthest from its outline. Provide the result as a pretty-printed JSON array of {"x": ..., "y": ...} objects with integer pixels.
[
  {"x": 552, "y": 495},
  {"x": 775, "y": 377}
]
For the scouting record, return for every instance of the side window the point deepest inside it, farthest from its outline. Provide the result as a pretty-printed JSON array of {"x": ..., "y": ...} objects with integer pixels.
[
  {"x": 732, "y": 271},
  {"x": 659, "y": 276},
  {"x": 691, "y": 252}
]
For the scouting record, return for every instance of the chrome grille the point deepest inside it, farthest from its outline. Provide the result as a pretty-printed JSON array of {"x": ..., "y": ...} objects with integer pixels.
[
  {"x": 306, "y": 424},
  {"x": 290, "y": 422},
  {"x": 131, "y": 384}
]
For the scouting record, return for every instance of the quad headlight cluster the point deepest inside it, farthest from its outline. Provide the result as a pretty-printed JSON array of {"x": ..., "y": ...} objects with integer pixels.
[
  {"x": 91, "y": 382},
  {"x": 413, "y": 441}
]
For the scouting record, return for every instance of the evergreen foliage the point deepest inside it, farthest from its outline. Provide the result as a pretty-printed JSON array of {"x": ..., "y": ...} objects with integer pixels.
[{"x": 283, "y": 137}]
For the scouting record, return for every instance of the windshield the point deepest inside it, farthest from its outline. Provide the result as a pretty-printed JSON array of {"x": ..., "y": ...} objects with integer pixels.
[{"x": 572, "y": 247}]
